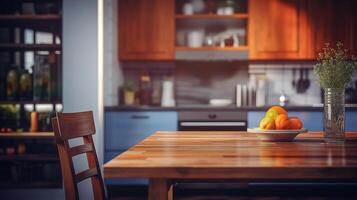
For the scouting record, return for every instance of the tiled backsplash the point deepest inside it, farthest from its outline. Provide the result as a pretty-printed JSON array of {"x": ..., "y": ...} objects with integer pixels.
[
  {"x": 198, "y": 82},
  {"x": 279, "y": 81}
]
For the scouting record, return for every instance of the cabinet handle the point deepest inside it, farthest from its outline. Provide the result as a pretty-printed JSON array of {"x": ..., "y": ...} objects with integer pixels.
[
  {"x": 212, "y": 116},
  {"x": 140, "y": 117}
]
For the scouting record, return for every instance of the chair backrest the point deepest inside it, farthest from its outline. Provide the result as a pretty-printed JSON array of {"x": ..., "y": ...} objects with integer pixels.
[{"x": 68, "y": 126}]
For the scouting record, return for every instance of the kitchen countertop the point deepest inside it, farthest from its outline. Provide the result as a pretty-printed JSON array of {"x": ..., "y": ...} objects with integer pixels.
[{"x": 349, "y": 107}]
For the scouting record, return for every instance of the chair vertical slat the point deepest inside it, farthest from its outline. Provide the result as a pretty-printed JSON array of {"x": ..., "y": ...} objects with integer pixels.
[{"x": 97, "y": 181}]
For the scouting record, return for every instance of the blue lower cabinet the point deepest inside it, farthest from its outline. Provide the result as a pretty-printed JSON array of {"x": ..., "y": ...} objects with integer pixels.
[
  {"x": 351, "y": 121},
  {"x": 125, "y": 129}
]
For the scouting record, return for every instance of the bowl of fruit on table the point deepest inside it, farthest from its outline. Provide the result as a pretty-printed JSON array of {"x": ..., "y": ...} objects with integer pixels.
[{"x": 278, "y": 126}]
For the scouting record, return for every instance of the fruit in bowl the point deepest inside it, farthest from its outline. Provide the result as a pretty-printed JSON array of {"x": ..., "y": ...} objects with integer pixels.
[
  {"x": 267, "y": 123},
  {"x": 276, "y": 118}
]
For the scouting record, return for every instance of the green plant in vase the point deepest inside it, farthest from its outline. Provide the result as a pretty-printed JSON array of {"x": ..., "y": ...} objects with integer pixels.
[
  {"x": 334, "y": 71},
  {"x": 129, "y": 93}
]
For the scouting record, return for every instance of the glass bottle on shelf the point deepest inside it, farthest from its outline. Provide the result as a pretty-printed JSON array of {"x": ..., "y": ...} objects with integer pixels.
[
  {"x": 145, "y": 90},
  {"x": 55, "y": 76},
  {"x": 41, "y": 80},
  {"x": 25, "y": 86},
  {"x": 3, "y": 73},
  {"x": 12, "y": 83}
]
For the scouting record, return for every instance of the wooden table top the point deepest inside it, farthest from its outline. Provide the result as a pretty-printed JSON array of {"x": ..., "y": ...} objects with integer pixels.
[{"x": 236, "y": 155}]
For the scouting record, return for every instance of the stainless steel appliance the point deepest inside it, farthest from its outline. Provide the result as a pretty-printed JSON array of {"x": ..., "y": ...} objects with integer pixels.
[{"x": 212, "y": 120}]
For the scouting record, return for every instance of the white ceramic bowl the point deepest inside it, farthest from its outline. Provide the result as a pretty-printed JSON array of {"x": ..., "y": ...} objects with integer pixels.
[
  {"x": 276, "y": 135},
  {"x": 220, "y": 102}
]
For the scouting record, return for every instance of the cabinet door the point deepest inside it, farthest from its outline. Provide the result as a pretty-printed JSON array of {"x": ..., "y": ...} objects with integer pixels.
[
  {"x": 146, "y": 29},
  {"x": 331, "y": 21},
  {"x": 125, "y": 129},
  {"x": 320, "y": 15},
  {"x": 275, "y": 29},
  {"x": 346, "y": 24}
]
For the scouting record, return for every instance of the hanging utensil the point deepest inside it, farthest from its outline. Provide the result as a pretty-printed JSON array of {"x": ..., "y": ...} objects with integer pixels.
[
  {"x": 300, "y": 83},
  {"x": 294, "y": 82},
  {"x": 307, "y": 80}
]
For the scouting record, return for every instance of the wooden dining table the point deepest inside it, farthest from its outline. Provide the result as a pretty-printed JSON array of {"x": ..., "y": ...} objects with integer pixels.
[{"x": 168, "y": 157}]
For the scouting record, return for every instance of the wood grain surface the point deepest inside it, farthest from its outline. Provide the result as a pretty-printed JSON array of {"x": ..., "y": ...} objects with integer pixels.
[
  {"x": 167, "y": 157},
  {"x": 235, "y": 155}
]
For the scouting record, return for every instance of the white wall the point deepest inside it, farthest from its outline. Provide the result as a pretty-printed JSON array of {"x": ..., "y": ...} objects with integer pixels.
[
  {"x": 113, "y": 76},
  {"x": 81, "y": 83}
]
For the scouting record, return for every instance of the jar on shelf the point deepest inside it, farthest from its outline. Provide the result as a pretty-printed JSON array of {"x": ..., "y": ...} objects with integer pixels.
[
  {"x": 145, "y": 90},
  {"x": 25, "y": 86},
  {"x": 41, "y": 82},
  {"x": 12, "y": 83}
]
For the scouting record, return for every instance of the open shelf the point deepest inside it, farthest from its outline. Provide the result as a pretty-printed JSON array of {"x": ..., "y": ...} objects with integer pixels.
[
  {"x": 47, "y": 17},
  {"x": 211, "y": 26},
  {"x": 30, "y": 102},
  {"x": 28, "y": 135},
  {"x": 30, "y": 157},
  {"x": 30, "y": 47},
  {"x": 37, "y": 184},
  {"x": 240, "y": 48},
  {"x": 212, "y": 16}
]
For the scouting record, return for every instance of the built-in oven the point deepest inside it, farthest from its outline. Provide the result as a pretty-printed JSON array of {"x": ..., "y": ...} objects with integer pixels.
[{"x": 212, "y": 120}]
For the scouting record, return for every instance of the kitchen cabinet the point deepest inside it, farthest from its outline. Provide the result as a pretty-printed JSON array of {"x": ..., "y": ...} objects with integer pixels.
[
  {"x": 146, "y": 29},
  {"x": 125, "y": 129},
  {"x": 345, "y": 24},
  {"x": 321, "y": 24},
  {"x": 276, "y": 29},
  {"x": 330, "y": 21}
]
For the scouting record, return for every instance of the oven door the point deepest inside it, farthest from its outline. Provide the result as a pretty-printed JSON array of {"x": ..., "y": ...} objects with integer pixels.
[
  {"x": 212, "y": 125},
  {"x": 212, "y": 120}
]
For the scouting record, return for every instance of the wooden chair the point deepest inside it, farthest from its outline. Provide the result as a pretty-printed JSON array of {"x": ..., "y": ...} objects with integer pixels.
[{"x": 77, "y": 125}]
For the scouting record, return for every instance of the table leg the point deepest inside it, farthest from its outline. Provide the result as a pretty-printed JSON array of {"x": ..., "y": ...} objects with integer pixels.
[{"x": 160, "y": 189}]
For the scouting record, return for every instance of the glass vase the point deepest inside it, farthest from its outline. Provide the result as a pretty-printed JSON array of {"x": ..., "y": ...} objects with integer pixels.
[{"x": 334, "y": 115}]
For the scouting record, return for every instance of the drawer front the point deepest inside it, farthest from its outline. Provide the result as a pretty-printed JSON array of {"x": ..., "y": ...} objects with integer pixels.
[{"x": 125, "y": 129}]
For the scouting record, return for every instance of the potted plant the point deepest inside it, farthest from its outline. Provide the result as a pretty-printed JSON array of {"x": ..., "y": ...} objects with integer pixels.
[
  {"x": 129, "y": 93},
  {"x": 334, "y": 71}
]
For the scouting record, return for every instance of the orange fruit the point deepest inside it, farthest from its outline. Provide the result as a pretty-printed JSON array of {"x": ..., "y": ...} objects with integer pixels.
[
  {"x": 295, "y": 123},
  {"x": 279, "y": 109},
  {"x": 282, "y": 122},
  {"x": 267, "y": 123}
]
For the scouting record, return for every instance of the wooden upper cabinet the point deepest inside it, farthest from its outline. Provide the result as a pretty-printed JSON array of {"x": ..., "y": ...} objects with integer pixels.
[
  {"x": 330, "y": 21},
  {"x": 276, "y": 29},
  {"x": 346, "y": 24},
  {"x": 320, "y": 30},
  {"x": 146, "y": 29}
]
